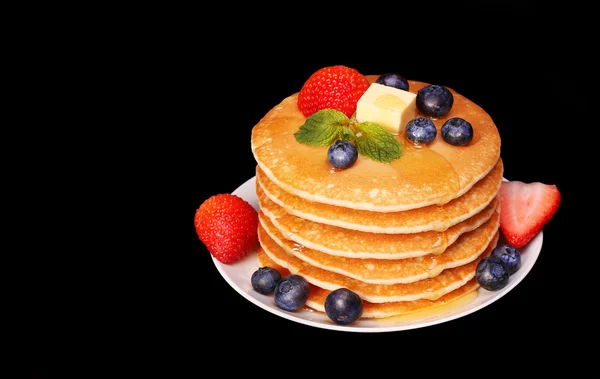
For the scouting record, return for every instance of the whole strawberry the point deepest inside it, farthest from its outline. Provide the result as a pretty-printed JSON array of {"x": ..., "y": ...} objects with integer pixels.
[
  {"x": 228, "y": 226},
  {"x": 335, "y": 87}
]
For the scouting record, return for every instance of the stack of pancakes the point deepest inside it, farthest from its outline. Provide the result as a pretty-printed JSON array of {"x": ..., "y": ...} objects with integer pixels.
[{"x": 404, "y": 236}]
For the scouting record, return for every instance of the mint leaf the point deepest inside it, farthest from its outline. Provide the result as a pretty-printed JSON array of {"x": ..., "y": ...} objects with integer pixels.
[
  {"x": 347, "y": 134},
  {"x": 376, "y": 143},
  {"x": 322, "y": 128}
]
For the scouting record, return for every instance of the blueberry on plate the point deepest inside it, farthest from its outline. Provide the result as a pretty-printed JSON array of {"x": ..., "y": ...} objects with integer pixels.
[
  {"x": 434, "y": 100},
  {"x": 342, "y": 154},
  {"x": 265, "y": 279},
  {"x": 420, "y": 130},
  {"x": 510, "y": 255},
  {"x": 291, "y": 293},
  {"x": 457, "y": 131},
  {"x": 393, "y": 80},
  {"x": 492, "y": 273},
  {"x": 343, "y": 306}
]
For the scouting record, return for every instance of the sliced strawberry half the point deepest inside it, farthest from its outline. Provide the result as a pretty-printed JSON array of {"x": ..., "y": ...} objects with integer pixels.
[{"x": 525, "y": 208}]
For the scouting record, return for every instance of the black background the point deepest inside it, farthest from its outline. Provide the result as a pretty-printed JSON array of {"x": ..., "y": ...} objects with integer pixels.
[
  {"x": 169, "y": 96},
  {"x": 528, "y": 66}
]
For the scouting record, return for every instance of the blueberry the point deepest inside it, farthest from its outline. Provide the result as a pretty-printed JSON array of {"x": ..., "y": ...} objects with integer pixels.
[
  {"x": 393, "y": 80},
  {"x": 420, "y": 130},
  {"x": 343, "y": 306},
  {"x": 510, "y": 255},
  {"x": 456, "y": 131},
  {"x": 434, "y": 100},
  {"x": 265, "y": 279},
  {"x": 291, "y": 293},
  {"x": 492, "y": 273},
  {"x": 342, "y": 154}
]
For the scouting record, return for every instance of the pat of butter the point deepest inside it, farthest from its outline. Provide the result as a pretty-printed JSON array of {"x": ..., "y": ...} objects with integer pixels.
[{"x": 387, "y": 106}]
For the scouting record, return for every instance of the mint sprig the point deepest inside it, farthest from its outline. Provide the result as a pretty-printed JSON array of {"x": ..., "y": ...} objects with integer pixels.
[
  {"x": 375, "y": 142},
  {"x": 324, "y": 127}
]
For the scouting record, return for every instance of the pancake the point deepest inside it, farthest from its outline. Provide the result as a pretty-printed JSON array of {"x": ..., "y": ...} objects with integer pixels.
[
  {"x": 386, "y": 271},
  {"x": 265, "y": 261},
  {"x": 422, "y": 176},
  {"x": 316, "y": 299},
  {"x": 431, "y": 288},
  {"x": 433, "y": 217},
  {"x": 342, "y": 242}
]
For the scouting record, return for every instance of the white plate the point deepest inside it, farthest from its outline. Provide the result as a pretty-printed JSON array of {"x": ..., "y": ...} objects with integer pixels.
[{"x": 238, "y": 276}]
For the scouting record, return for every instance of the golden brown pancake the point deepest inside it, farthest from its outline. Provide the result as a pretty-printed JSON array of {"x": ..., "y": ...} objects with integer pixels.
[
  {"x": 316, "y": 299},
  {"x": 432, "y": 217},
  {"x": 342, "y": 242},
  {"x": 386, "y": 271},
  {"x": 265, "y": 261},
  {"x": 422, "y": 176},
  {"x": 431, "y": 288}
]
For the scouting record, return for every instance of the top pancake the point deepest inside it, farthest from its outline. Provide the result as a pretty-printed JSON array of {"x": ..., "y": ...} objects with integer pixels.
[{"x": 432, "y": 174}]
